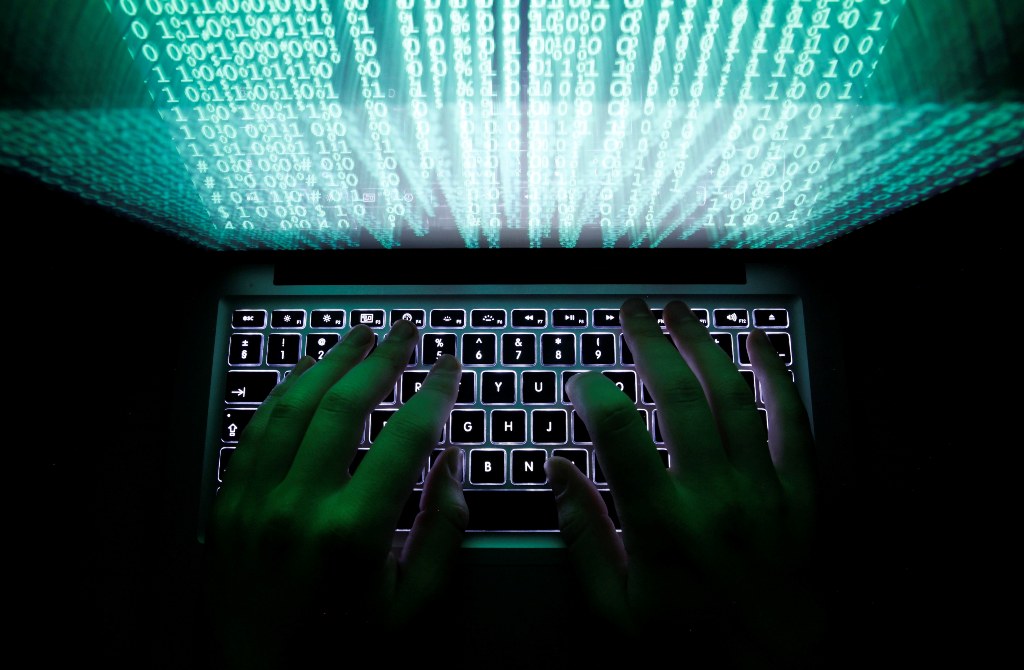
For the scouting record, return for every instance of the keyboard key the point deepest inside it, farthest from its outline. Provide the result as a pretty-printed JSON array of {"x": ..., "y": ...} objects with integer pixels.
[
  {"x": 528, "y": 466},
  {"x": 416, "y": 316},
  {"x": 466, "y": 394},
  {"x": 663, "y": 454},
  {"x": 327, "y": 318},
  {"x": 223, "y": 461},
  {"x": 529, "y": 318},
  {"x": 318, "y": 344},
  {"x": 508, "y": 426},
  {"x": 549, "y": 426},
  {"x": 724, "y": 342},
  {"x": 702, "y": 316},
  {"x": 288, "y": 318},
  {"x": 643, "y": 417},
  {"x": 512, "y": 510},
  {"x": 245, "y": 349},
  {"x": 625, "y": 380},
  {"x": 467, "y": 426},
  {"x": 599, "y": 477},
  {"x": 460, "y": 473},
  {"x": 748, "y": 376},
  {"x": 436, "y": 345},
  {"x": 479, "y": 348},
  {"x": 539, "y": 388},
  {"x": 487, "y": 466},
  {"x": 771, "y": 318},
  {"x": 284, "y": 349},
  {"x": 447, "y": 318},
  {"x": 235, "y": 421},
  {"x": 249, "y": 318},
  {"x": 578, "y": 457},
  {"x": 598, "y": 349},
  {"x": 374, "y": 318},
  {"x": 357, "y": 458},
  {"x": 569, "y": 318},
  {"x": 606, "y": 318},
  {"x": 780, "y": 341},
  {"x": 645, "y": 395},
  {"x": 412, "y": 382},
  {"x": 378, "y": 419},
  {"x": 658, "y": 438},
  {"x": 487, "y": 318},
  {"x": 627, "y": 355},
  {"x": 566, "y": 376},
  {"x": 518, "y": 349},
  {"x": 246, "y": 386},
  {"x": 580, "y": 434},
  {"x": 659, "y": 316},
  {"x": 558, "y": 349},
  {"x": 498, "y": 388},
  {"x": 731, "y": 318}
]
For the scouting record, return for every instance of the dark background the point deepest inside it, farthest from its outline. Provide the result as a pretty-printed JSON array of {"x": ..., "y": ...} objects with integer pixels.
[{"x": 922, "y": 345}]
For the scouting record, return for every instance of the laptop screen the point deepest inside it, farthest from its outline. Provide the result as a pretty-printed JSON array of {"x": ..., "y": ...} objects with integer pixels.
[{"x": 315, "y": 124}]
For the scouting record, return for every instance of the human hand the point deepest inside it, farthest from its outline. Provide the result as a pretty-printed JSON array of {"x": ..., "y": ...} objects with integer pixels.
[
  {"x": 297, "y": 544},
  {"x": 718, "y": 545}
]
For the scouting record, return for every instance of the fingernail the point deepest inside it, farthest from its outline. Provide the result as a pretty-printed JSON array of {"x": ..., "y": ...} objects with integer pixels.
[
  {"x": 447, "y": 362},
  {"x": 359, "y": 336},
  {"x": 570, "y": 385},
  {"x": 403, "y": 330},
  {"x": 452, "y": 461},
  {"x": 305, "y": 363},
  {"x": 556, "y": 477},
  {"x": 635, "y": 307},
  {"x": 677, "y": 309}
]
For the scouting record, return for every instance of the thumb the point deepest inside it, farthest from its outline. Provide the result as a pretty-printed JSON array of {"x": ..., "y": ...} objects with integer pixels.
[
  {"x": 432, "y": 546},
  {"x": 595, "y": 549}
]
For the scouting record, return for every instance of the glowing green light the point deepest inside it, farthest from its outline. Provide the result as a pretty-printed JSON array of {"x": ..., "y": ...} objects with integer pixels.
[{"x": 315, "y": 123}]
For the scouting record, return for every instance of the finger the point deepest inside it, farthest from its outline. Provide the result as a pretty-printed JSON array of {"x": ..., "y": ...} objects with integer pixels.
[
  {"x": 258, "y": 423},
  {"x": 790, "y": 441},
  {"x": 635, "y": 472},
  {"x": 684, "y": 417},
  {"x": 293, "y": 411},
  {"x": 732, "y": 404},
  {"x": 244, "y": 458},
  {"x": 334, "y": 432},
  {"x": 595, "y": 550},
  {"x": 436, "y": 535},
  {"x": 389, "y": 470}
]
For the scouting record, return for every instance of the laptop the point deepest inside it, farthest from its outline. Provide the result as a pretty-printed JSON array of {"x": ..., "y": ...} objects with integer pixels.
[{"x": 504, "y": 175}]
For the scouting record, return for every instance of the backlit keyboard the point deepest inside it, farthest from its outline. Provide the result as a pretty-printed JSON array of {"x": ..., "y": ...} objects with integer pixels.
[{"x": 511, "y": 412}]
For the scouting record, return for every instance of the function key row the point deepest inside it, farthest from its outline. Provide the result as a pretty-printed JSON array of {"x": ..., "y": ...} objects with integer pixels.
[{"x": 256, "y": 319}]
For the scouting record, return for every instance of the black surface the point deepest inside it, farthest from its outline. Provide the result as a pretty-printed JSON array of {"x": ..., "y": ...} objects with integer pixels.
[{"x": 113, "y": 567}]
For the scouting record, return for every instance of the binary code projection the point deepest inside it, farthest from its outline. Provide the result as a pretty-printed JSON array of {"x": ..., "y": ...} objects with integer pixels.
[{"x": 330, "y": 124}]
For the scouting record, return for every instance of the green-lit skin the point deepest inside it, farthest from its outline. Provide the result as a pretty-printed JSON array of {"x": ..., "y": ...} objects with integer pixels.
[
  {"x": 717, "y": 547},
  {"x": 294, "y": 538}
]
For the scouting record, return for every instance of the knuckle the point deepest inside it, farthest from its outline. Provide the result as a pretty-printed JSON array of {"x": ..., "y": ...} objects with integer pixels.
[
  {"x": 679, "y": 392},
  {"x": 343, "y": 401},
  {"x": 614, "y": 416}
]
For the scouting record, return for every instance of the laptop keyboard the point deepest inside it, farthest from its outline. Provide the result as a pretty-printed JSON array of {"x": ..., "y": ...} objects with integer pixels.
[{"x": 511, "y": 412}]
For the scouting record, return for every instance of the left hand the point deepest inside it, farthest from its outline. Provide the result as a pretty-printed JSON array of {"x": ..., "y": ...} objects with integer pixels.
[{"x": 296, "y": 541}]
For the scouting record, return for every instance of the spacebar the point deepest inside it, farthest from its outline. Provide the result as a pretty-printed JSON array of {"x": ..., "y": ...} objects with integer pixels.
[
  {"x": 507, "y": 510},
  {"x": 512, "y": 510}
]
